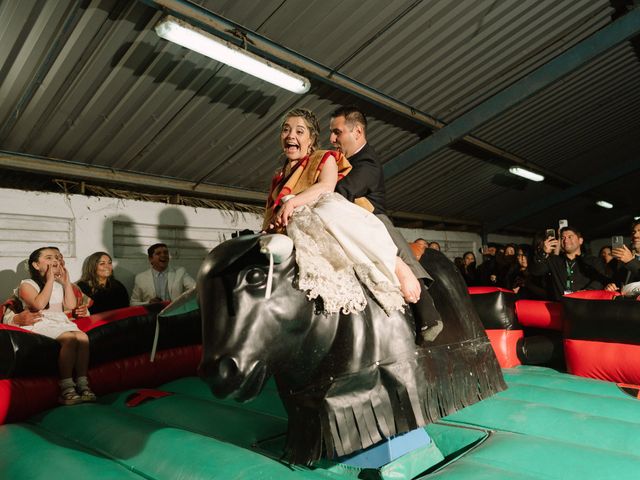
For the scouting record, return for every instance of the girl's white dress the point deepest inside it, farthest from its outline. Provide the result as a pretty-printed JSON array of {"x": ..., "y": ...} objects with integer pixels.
[
  {"x": 338, "y": 243},
  {"x": 54, "y": 321}
]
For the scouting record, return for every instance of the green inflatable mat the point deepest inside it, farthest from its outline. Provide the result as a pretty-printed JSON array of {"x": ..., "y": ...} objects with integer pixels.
[{"x": 546, "y": 425}]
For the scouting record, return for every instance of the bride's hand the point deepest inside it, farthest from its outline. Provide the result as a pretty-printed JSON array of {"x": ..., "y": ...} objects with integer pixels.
[{"x": 284, "y": 214}]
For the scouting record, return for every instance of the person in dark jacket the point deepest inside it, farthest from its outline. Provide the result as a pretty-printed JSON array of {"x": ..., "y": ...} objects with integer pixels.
[
  {"x": 468, "y": 269},
  {"x": 570, "y": 271},
  {"x": 99, "y": 283},
  {"x": 364, "y": 185},
  {"x": 627, "y": 260}
]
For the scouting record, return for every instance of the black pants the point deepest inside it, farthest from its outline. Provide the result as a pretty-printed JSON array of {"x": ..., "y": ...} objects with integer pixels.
[{"x": 424, "y": 310}]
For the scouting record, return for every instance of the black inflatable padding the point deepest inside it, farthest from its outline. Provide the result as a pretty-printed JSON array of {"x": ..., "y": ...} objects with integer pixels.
[
  {"x": 539, "y": 349},
  {"x": 23, "y": 353},
  {"x": 602, "y": 320},
  {"x": 497, "y": 310}
]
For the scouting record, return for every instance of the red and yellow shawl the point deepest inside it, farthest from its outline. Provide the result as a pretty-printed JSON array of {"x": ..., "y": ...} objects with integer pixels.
[{"x": 301, "y": 177}]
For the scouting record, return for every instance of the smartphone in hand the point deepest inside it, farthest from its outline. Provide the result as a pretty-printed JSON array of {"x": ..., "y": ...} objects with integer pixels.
[
  {"x": 617, "y": 241},
  {"x": 550, "y": 233},
  {"x": 563, "y": 223}
]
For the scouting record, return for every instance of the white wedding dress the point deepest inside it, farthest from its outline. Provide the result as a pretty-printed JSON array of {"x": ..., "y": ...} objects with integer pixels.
[{"x": 339, "y": 248}]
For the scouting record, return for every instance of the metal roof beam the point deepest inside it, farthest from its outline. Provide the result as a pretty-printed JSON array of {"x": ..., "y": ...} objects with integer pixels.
[
  {"x": 602, "y": 178},
  {"x": 608, "y": 37},
  {"x": 66, "y": 169}
]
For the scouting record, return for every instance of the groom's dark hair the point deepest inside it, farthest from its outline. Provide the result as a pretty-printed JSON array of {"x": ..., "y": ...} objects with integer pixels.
[{"x": 352, "y": 115}]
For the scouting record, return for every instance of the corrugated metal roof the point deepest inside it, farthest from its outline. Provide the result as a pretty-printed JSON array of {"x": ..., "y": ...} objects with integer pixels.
[{"x": 90, "y": 82}]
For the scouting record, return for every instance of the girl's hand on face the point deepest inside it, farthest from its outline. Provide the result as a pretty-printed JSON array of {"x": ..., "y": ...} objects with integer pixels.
[{"x": 49, "y": 275}]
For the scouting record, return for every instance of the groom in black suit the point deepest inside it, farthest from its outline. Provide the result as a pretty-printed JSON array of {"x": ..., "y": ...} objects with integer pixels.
[{"x": 364, "y": 185}]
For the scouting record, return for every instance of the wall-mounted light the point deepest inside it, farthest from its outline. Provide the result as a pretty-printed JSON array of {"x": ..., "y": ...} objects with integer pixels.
[
  {"x": 604, "y": 204},
  {"x": 188, "y": 36},
  {"x": 529, "y": 175}
]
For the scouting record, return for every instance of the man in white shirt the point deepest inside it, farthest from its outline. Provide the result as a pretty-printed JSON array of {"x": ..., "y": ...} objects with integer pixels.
[{"x": 160, "y": 283}]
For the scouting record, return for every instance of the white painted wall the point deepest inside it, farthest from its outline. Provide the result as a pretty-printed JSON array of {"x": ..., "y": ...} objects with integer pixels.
[{"x": 93, "y": 219}]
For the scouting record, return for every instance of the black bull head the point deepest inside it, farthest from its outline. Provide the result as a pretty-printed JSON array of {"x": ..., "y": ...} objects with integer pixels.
[{"x": 347, "y": 381}]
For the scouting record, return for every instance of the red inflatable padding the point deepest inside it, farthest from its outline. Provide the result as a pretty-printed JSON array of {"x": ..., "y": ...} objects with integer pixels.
[
  {"x": 504, "y": 343},
  {"x": 138, "y": 371},
  {"x": 482, "y": 290},
  {"x": 540, "y": 314},
  {"x": 89, "y": 323},
  {"x": 4, "y": 326},
  {"x": 614, "y": 362},
  {"x": 593, "y": 295},
  {"x": 20, "y": 398}
]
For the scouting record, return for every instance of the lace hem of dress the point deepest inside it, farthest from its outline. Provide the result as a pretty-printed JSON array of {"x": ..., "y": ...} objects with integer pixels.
[{"x": 325, "y": 270}]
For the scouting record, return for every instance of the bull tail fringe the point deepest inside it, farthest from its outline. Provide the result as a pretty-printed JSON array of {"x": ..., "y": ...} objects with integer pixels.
[{"x": 360, "y": 411}]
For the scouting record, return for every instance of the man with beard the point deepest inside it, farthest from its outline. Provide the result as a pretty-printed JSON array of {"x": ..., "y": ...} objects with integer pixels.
[
  {"x": 570, "y": 270},
  {"x": 364, "y": 185}
]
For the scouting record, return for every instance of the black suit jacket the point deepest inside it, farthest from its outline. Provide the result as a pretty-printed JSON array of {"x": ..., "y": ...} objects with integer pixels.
[
  {"x": 365, "y": 179},
  {"x": 588, "y": 272}
]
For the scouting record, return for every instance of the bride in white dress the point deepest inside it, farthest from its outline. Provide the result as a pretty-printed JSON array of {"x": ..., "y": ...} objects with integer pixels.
[{"x": 339, "y": 245}]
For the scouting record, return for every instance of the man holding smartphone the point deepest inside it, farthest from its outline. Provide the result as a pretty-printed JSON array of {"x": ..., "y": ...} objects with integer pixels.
[
  {"x": 570, "y": 270},
  {"x": 628, "y": 260}
]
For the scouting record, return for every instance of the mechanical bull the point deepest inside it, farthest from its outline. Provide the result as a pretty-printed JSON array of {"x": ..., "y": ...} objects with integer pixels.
[{"x": 347, "y": 381}]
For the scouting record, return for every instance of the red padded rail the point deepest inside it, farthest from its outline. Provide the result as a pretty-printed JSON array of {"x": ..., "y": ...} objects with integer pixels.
[
  {"x": 483, "y": 290},
  {"x": 504, "y": 344},
  {"x": 4, "y": 326},
  {"x": 89, "y": 323},
  {"x": 593, "y": 295},
  {"x": 20, "y": 398},
  {"x": 614, "y": 362},
  {"x": 539, "y": 314}
]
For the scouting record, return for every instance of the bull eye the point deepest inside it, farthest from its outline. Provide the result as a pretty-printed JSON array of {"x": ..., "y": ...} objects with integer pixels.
[{"x": 256, "y": 276}]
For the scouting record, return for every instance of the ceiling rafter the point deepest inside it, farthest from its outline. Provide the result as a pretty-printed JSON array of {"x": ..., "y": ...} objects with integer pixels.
[{"x": 600, "y": 42}]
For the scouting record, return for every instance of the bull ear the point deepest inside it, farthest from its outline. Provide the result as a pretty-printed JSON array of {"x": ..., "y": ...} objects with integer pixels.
[{"x": 279, "y": 246}]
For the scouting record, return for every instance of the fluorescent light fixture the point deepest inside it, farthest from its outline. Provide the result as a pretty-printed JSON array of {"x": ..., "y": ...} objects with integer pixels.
[
  {"x": 180, "y": 32},
  {"x": 523, "y": 172},
  {"x": 604, "y": 204}
]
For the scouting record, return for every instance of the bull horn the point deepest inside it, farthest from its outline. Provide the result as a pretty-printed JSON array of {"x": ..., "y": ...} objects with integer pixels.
[{"x": 278, "y": 248}]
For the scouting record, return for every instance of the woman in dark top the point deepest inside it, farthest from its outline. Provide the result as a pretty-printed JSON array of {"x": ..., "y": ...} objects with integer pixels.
[
  {"x": 525, "y": 285},
  {"x": 98, "y": 283},
  {"x": 468, "y": 269}
]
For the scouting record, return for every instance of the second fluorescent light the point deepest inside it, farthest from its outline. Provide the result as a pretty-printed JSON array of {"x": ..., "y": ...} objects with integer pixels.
[
  {"x": 529, "y": 175},
  {"x": 188, "y": 36},
  {"x": 604, "y": 204}
]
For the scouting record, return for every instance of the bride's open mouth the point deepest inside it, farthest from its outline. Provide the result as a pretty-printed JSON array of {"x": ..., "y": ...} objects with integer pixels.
[{"x": 291, "y": 147}]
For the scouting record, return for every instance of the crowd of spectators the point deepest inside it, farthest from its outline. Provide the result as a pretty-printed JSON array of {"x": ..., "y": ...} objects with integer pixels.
[
  {"x": 554, "y": 265},
  {"x": 48, "y": 302},
  {"x": 98, "y": 290}
]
